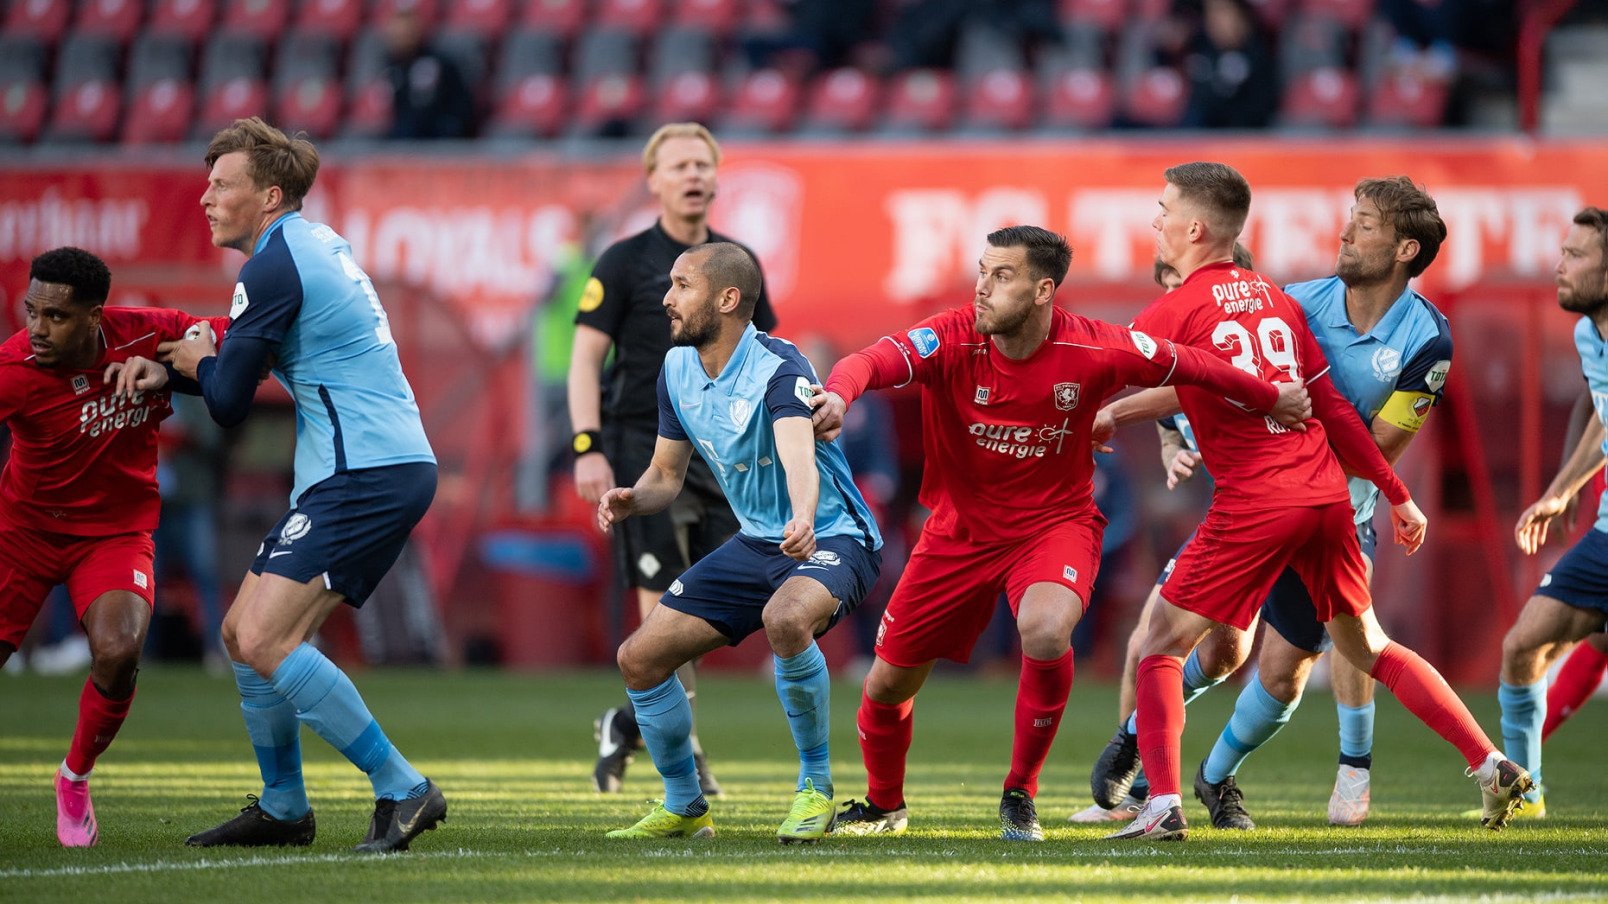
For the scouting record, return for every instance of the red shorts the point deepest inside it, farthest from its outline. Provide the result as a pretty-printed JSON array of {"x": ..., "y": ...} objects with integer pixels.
[
  {"x": 1228, "y": 569},
  {"x": 946, "y": 596},
  {"x": 32, "y": 562}
]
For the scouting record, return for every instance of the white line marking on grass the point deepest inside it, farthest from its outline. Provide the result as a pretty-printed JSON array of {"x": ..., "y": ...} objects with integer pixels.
[{"x": 180, "y": 866}]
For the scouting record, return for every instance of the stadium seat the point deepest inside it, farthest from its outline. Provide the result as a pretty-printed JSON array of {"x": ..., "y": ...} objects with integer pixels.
[
  {"x": 263, "y": 19},
  {"x": 42, "y": 20},
  {"x": 1353, "y": 14},
  {"x": 528, "y": 52},
  {"x": 766, "y": 104},
  {"x": 159, "y": 113},
  {"x": 190, "y": 19},
  {"x": 1109, "y": 15},
  {"x": 365, "y": 62},
  {"x": 1001, "y": 101},
  {"x": 368, "y": 109},
  {"x": 85, "y": 112},
  {"x": 340, "y": 19},
  {"x": 1078, "y": 100},
  {"x": 604, "y": 51},
  {"x": 232, "y": 56},
  {"x": 22, "y": 59},
  {"x": 984, "y": 48},
  {"x": 679, "y": 50},
  {"x": 382, "y": 11},
  {"x": 467, "y": 48},
  {"x": 1156, "y": 99},
  {"x": 608, "y": 106},
  {"x": 1403, "y": 100},
  {"x": 22, "y": 111},
  {"x": 1309, "y": 43},
  {"x": 562, "y": 17},
  {"x": 312, "y": 104},
  {"x": 718, "y": 17},
  {"x": 639, "y": 17},
  {"x": 116, "y": 19},
  {"x": 486, "y": 18},
  {"x": 156, "y": 58},
  {"x": 533, "y": 107},
  {"x": 233, "y": 98},
  {"x": 1322, "y": 99},
  {"x": 304, "y": 55},
  {"x": 843, "y": 100},
  {"x": 85, "y": 58},
  {"x": 920, "y": 102},
  {"x": 687, "y": 97}
]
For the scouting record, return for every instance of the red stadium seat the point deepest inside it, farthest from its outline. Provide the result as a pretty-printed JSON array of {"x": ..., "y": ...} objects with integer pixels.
[
  {"x": 368, "y": 113},
  {"x": 1325, "y": 98},
  {"x": 1109, "y": 15},
  {"x": 426, "y": 10},
  {"x": 234, "y": 99},
  {"x": 688, "y": 97},
  {"x": 263, "y": 18},
  {"x": 843, "y": 100},
  {"x": 1002, "y": 100},
  {"x": 118, "y": 19},
  {"x": 22, "y": 111},
  {"x": 86, "y": 112},
  {"x": 608, "y": 104},
  {"x": 486, "y": 18},
  {"x": 338, "y": 18},
  {"x": 718, "y": 17},
  {"x": 533, "y": 107},
  {"x": 1354, "y": 14},
  {"x": 1406, "y": 100},
  {"x": 160, "y": 113},
  {"x": 920, "y": 101},
  {"x": 562, "y": 17},
  {"x": 43, "y": 20},
  {"x": 311, "y": 104},
  {"x": 766, "y": 103},
  {"x": 191, "y": 19},
  {"x": 640, "y": 17},
  {"x": 1157, "y": 98},
  {"x": 1079, "y": 99}
]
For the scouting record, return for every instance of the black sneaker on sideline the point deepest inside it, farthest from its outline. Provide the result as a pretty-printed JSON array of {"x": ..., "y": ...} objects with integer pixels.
[
  {"x": 255, "y": 828},
  {"x": 616, "y": 734},
  {"x": 1224, "y": 800},
  {"x": 397, "y": 822},
  {"x": 1018, "y": 818},
  {"x": 1116, "y": 769}
]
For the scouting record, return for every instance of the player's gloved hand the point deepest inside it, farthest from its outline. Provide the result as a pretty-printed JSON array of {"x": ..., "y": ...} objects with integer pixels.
[
  {"x": 186, "y": 354},
  {"x": 1531, "y": 531},
  {"x": 1105, "y": 427},
  {"x": 1294, "y": 405},
  {"x": 135, "y": 375},
  {"x": 593, "y": 475},
  {"x": 1410, "y": 525},
  {"x": 798, "y": 539},
  {"x": 829, "y": 411},
  {"x": 614, "y": 507},
  {"x": 1182, "y": 467}
]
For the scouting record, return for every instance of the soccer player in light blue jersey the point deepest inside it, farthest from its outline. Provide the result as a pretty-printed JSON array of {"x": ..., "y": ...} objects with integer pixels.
[
  {"x": 805, "y": 556},
  {"x": 365, "y": 475},
  {"x": 1572, "y": 601}
]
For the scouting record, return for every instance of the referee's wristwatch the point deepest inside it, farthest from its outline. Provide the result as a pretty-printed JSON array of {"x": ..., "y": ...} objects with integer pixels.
[{"x": 587, "y": 441}]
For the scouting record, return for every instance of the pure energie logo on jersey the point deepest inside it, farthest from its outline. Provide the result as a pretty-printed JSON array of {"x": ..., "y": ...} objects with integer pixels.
[
  {"x": 1021, "y": 441},
  {"x": 114, "y": 412}
]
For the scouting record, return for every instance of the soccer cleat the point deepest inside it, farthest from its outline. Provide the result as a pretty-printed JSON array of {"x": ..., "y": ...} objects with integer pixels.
[
  {"x": 1532, "y": 809},
  {"x": 1224, "y": 801},
  {"x": 1348, "y": 805},
  {"x": 255, "y": 828},
  {"x": 615, "y": 743},
  {"x": 1158, "y": 825},
  {"x": 1095, "y": 813},
  {"x": 75, "y": 813},
  {"x": 865, "y": 818},
  {"x": 1115, "y": 770},
  {"x": 661, "y": 823},
  {"x": 1018, "y": 818},
  {"x": 706, "y": 779},
  {"x": 397, "y": 822},
  {"x": 1503, "y": 784},
  {"x": 810, "y": 819}
]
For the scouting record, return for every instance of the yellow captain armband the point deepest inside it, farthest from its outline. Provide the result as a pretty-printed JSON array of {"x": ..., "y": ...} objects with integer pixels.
[{"x": 1407, "y": 410}]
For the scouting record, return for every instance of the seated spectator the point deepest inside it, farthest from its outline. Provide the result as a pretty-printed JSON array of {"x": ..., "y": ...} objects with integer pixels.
[
  {"x": 1231, "y": 70},
  {"x": 431, "y": 98}
]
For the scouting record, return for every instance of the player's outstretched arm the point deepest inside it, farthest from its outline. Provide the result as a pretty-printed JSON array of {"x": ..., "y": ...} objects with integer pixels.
[
  {"x": 880, "y": 365},
  {"x": 654, "y": 490},
  {"x": 1583, "y": 462},
  {"x": 795, "y": 446},
  {"x": 1146, "y": 405},
  {"x": 1409, "y": 524},
  {"x": 1177, "y": 459}
]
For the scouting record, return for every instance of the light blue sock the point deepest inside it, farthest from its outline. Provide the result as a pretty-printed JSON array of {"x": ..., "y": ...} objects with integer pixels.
[
  {"x": 665, "y": 717},
  {"x": 329, "y": 703},
  {"x": 1524, "y": 712},
  {"x": 1196, "y": 682},
  {"x": 1258, "y": 716},
  {"x": 276, "y": 739},
  {"x": 805, "y": 688},
  {"x": 1356, "y": 734}
]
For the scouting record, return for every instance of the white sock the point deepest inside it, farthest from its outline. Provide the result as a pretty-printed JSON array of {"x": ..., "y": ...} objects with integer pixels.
[
  {"x": 1159, "y": 803},
  {"x": 72, "y": 776}
]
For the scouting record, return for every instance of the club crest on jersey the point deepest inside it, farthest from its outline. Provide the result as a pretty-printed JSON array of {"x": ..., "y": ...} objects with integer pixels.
[
  {"x": 239, "y": 303},
  {"x": 295, "y": 528},
  {"x": 80, "y": 384},
  {"x": 1436, "y": 378},
  {"x": 982, "y": 396},
  {"x": 1386, "y": 364},
  {"x": 925, "y": 340},
  {"x": 741, "y": 411},
  {"x": 1066, "y": 395}
]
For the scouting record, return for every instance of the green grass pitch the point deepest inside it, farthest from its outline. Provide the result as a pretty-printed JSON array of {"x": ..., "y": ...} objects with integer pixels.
[{"x": 514, "y": 753}]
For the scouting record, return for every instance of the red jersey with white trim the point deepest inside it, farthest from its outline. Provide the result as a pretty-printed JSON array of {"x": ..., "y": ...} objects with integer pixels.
[
  {"x": 1243, "y": 319},
  {"x": 1007, "y": 443},
  {"x": 83, "y": 462}
]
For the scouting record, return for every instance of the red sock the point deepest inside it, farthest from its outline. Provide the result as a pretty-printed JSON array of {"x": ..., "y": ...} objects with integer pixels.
[
  {"x": 884, "y": 743},
  {"x": 1040, "y": 699},
  {"x": 1427, "y": 695},
  {"x": 1160, "y": 698},
  {"x": 1579, "y": 677},
  {"x": 99, "y": 718}
]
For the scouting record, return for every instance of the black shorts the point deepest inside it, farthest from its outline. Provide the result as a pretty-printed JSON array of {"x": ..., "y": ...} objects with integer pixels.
[
  {"x": 1580, "y": 577},
  {"x": 349, "y": 528},
  {"x": 651, "y": 551}
]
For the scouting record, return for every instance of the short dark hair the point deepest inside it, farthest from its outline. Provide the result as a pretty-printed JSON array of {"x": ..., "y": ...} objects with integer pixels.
[
  {"x": 1161, "y": 269},
  {"x": 86, "y": 274},
  {"x": 1048, "y": 253},
  {"x": 1411, "y": 212},
  {"x": 1595, "y": 218},
  {"x": 729, "y": 265},
  {"x": 1243, "y": 257},
  {"x": 1218, "y": 187},
  {"x": 272, "y": 157}
]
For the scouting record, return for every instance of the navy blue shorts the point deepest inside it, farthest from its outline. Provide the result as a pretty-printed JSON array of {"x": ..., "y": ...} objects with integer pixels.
[
  {"x": 349, "y": 528},
  {"x": 1580, "y": 579},
  {"x": 729, "y": 587},
  {"x": 1289, "y": 610}
]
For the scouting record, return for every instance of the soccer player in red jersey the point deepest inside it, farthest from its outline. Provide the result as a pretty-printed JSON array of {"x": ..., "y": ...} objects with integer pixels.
[
  {"x": 1281, "y": 500},
  {"x": 78, "y": 497},
  {"x": 1010, "y": 387}
]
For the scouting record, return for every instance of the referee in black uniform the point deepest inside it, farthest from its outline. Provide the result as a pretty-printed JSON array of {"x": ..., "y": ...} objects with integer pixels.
[{"x": 617, "y": 427}]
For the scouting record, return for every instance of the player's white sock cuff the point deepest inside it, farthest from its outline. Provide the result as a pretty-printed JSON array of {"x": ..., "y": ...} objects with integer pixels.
[
  {"x": 1162, "y": 802},
  {"x": 72, "y": 776}
]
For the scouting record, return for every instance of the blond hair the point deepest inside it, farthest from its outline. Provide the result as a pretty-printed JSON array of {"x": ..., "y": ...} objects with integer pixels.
[
  {"x": 650, "y": 151},
  {"x": 272, "y": 157}
]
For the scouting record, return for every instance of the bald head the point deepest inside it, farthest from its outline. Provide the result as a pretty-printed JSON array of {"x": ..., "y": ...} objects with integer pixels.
[{"x": 727, "y": 265}]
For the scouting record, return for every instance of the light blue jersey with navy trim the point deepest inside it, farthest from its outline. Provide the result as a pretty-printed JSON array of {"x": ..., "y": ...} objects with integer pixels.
[
  {"x": 303, "y": 294},
  {"x": 1408, "y": 350},
  {"x": 728, "y": 420},
  {"x": 1594, "y": 366}
]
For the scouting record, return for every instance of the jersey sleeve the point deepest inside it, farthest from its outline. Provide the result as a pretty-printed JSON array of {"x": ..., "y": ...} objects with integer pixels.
[
  {"x": 268, "y": 297},
  {"x": 1421, "y": 385},
  {"x": 788, "y": 393},
  {"x": 607, "y": 294},
  {"x": 670, "y": 426}
]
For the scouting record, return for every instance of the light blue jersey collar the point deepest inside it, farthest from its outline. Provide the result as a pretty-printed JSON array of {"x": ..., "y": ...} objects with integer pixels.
[
  {"x": 728, "y": 381},
  {"x": 262, "y": 240},
  {"x": 1338, "y": 318}
]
